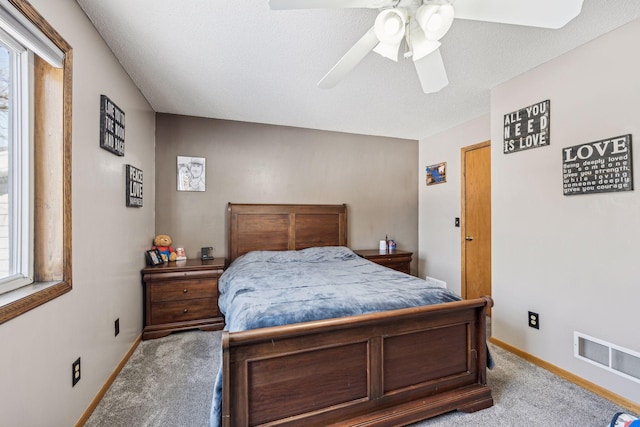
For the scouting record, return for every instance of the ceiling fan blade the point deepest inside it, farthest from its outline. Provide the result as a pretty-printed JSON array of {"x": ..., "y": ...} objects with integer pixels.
[
  {"x": 327, "y": 4},
  {"x": 350, "y": 59},
  {"x": 534, "y": 13},
  {"x": 431, "y": 72}
]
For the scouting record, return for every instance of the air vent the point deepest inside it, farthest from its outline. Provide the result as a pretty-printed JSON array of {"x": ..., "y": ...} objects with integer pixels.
[
  {"x": 608, "y": 356},
  {"x": 436, "y": 282}
]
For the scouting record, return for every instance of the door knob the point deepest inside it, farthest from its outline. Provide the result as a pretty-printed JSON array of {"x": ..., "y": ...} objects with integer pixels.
[{"x": 468, "y": 238}]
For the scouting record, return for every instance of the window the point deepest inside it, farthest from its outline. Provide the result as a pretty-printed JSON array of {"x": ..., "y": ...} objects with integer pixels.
[
  {"x": 5, "y": 57},
  {"x": 35, "y": 160},
  {"x": 15, "y": 149}
]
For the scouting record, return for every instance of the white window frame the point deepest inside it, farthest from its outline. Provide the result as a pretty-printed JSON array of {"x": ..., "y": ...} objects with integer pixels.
[
  {"x": 20, "y": 141},
  {"x": 22, "y": 29}
]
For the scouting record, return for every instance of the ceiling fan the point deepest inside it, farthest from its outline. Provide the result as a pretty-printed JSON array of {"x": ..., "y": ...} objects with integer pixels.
[{"x": 422, "y": 23}]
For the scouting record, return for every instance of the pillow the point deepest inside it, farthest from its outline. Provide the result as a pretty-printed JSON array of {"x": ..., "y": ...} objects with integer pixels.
[
  {"x": 326, "y": 253},
  {"x": 313, "y": 254}
]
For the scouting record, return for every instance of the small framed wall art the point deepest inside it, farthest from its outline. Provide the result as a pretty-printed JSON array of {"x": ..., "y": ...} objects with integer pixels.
[
  {"x": 437, "y": 174},
  {"x": 191, "y": 173}
]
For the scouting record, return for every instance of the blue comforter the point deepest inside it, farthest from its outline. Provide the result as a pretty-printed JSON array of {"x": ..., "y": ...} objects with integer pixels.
[
  {"x": 267, "y": 288},
  {"x": 273, "y": 288}
]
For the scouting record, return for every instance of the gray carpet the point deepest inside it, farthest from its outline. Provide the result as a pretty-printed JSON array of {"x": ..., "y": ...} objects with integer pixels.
[{"x": 168, "y": 382}]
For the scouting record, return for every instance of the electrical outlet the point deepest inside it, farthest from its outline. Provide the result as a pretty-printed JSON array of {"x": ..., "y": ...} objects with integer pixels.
[
  {"x": 534, "y": 320},
  {"x": 75, "y": 372},
  {"x": 117, "y": 326}
]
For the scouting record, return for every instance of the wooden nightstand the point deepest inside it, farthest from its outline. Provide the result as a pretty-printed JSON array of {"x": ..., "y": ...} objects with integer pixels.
[
  {"x": 182, "y": 295},
  {"x": 397, "y": 260}
]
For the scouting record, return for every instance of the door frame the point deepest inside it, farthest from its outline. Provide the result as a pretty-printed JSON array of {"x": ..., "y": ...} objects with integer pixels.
[{"x": 463, "y": 225}]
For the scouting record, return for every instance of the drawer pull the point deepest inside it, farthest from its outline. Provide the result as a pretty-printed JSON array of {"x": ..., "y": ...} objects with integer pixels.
[
  {"x": 185, "y": 310},
  {"x": 184, "y": 291}
]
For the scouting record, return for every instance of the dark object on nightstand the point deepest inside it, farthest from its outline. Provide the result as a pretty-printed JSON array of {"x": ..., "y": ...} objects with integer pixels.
[
  {"x": 397, "y": 260},
  {"x": 182, "y": 295},
  {"x": 206, "y": 253}
]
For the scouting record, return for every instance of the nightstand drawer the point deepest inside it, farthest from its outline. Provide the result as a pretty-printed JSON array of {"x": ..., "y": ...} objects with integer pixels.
[
  {"x": 398, "y": 260},
  {"x": 179, "y": 311},
  {"x": 185, "y": 289},
  {"x": 386, "y": 260}
]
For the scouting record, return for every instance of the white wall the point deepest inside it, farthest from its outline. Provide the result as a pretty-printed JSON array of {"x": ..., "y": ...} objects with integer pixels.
[
  {"x": 439, "y": 205},
  {"x": 572, "y": 259},
  {"x": 37, "y": 348}
]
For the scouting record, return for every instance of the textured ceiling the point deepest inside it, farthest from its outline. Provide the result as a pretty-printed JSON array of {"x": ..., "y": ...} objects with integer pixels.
[{"x": 239, "y": 60}]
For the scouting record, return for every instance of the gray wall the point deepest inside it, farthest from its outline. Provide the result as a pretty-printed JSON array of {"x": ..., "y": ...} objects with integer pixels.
[
  {"x": 108, "y": 240},
  {"x": 572, "y": 259},
  {"x": 253, "y": 163}
]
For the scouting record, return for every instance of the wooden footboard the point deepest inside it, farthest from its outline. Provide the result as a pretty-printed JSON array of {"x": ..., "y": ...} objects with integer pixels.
[{"x": 390, "y": 368}]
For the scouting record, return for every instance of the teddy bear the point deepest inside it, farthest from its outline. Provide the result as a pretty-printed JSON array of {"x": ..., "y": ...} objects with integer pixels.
[{"x": 162, "y": 243}]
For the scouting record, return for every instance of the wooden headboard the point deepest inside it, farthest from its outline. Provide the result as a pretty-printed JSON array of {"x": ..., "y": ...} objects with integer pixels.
[{"x": 255, "y": 227}]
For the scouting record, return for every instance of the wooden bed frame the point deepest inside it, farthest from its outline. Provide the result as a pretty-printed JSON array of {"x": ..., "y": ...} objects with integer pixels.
[{"x": 383, "y": 369}]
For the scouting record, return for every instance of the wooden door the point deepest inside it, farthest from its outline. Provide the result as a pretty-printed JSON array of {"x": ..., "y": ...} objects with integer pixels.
[{"x": 476, "y": 220}]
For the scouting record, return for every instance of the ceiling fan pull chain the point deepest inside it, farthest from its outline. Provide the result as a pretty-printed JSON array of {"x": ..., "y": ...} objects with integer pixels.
[{"x": 408, "y": 53}]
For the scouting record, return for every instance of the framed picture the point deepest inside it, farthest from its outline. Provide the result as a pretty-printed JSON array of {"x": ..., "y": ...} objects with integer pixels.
[
  {"x": 153, "y": 257},
  {"x": 180, "y": 254},
  {"x": 437, "y": 174},
  {"x": 191, "y": 173}
]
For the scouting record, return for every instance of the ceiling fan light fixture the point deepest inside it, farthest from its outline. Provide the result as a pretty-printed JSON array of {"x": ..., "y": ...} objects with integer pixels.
[
  {"x": 421, "y": 46},
  {"x": 390, "y": 29},
  {"x": 435, "y": 20},
  {"x": 424, "y": 23},
  {"x": 388, "y": 50},
  {"x": 390, "y": 25}
]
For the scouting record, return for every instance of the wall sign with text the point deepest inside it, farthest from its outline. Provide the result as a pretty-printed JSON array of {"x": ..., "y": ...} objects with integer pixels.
[
  {"x": 598, "y": 167},
  {"x": 111, "y": 126},
  {"x": 527, "y": 128},
  {"x": 134, "y": 186}
]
